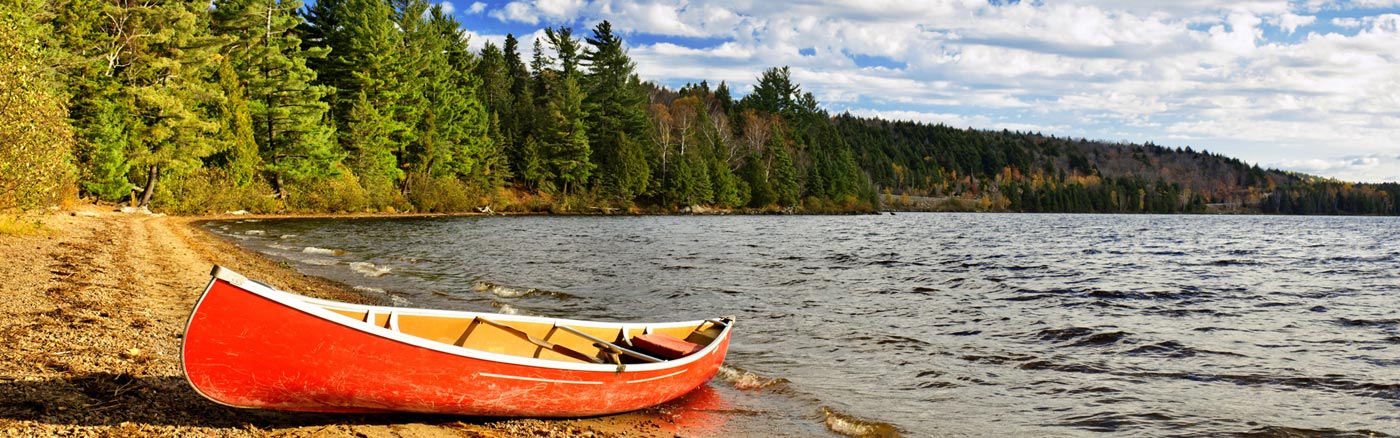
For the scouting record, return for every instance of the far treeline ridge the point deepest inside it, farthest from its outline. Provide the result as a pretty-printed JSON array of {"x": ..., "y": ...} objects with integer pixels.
[{"x": 381, "y": 106}]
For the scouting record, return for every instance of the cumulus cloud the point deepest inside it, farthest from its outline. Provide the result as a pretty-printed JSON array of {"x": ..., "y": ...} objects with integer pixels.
[{"x": 1377, "y": 167}]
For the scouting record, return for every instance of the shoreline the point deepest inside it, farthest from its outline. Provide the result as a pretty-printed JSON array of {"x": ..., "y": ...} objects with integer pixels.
[{"x": 96, "y": 305}]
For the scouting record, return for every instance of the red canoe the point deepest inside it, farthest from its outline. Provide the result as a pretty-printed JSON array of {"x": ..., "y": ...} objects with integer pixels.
[{"x": 249, "y": 345}]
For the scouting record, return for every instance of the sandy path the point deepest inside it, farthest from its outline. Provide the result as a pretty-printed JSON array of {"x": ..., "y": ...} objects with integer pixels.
[{"x": 92, "y": 314}]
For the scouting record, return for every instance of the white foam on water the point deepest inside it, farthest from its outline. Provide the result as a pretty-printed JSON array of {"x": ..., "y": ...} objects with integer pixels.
[
  {"x": 854, "y": 427},
  {"x": 369, "y": 289},
  {"x": 505, "y": 309},
  {"x": 323, "y": 251},
  {"x": 745, "y": 380},
  {"x": 501, "y": 291},
  {"x": 369, "y": 269},
  {"x": 255, "y": 232}
]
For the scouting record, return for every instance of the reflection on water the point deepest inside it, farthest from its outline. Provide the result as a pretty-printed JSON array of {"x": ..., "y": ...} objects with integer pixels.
[{"x": 942, "y": 324}]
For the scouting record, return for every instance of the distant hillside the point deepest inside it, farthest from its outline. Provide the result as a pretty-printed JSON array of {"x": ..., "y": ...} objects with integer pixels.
[{"x": 935, "y": 167}]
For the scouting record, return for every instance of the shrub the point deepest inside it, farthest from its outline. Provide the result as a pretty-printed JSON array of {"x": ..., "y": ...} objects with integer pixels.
[
  {"x": 335, "y": 194},
  {"x": 438, "y": 195},
  {"x": 212, "y": 190}
]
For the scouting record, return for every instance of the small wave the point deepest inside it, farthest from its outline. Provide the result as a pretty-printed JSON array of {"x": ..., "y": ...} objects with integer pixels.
[
  {"x": 369, "y": 269},
  {"x": 854, "y": 427},
  {"x": 369, "y": 289},
  {"x": 505, "y": 308},
  {"x": 1114, "y": 421},
  {"x": 1068, "y": 368},
  {"x": 286, "y": 236},
  {"x": 1170, "y": 349},
  {"x": 994, "y": 359},
  {"x": 1235, "y": 262},
  {"x": 745, "y": 380},
  {"x": 255, "y": 232},
  {"x": 279, "y": 246},
  {"x": 843, "y": 258},
  {"x": 320, "y": 262},
  {"x": 1063, "y": 334},
  {"x": 1292, "y": 432},
  {"x": 1379, "y": 323},
  {"x": 504, "y": 291},
  {"x": 399, "y": 301},
  {"x": 1081, "y": 336},
  {"x": 323, "y": 251}
]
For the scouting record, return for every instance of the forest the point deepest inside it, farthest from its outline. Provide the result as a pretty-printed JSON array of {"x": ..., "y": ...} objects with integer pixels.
[{"x": 382, "y": 106}]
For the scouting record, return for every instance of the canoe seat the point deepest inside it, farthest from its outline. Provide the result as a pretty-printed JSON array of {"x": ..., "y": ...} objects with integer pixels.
[{"x": 666, "y": 346}]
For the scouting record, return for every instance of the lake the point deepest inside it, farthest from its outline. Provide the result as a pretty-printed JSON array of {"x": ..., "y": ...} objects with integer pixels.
[{"x": 941, "y": 324}]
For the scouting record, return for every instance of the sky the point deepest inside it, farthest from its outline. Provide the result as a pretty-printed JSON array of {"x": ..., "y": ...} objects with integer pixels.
[{"x": 1305, "y": 85}]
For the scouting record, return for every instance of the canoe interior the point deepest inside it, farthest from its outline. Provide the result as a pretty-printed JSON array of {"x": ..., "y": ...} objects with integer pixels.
[{"x": 474, "y": 333}]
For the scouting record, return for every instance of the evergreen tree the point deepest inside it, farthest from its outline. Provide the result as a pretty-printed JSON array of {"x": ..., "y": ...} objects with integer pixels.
[
  {"x": 286, "y": 110},
  {"x": 616, "y": 117},
  {"x": 372, "y": 159},
  {"x": 166, "y": 68},
  {"x": 568, "y": 148},
  {"x": 775, "y": 93},
  {"x": 783, "y": 175},
  {"x": 240, "y": 149},
  {"x": 366, "y": 69},
  {"x": 565, "y": 136},
  {"x": 106, "y": 168}
]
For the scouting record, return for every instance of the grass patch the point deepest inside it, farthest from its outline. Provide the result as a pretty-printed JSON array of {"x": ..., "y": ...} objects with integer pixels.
[{"x": 22, "y": 226}]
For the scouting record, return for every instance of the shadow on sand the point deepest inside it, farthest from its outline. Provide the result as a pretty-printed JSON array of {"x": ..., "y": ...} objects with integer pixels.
[{"x": 104, "y": 399}]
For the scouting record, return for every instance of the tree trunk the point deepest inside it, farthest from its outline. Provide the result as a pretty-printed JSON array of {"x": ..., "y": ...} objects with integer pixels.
[
  {"x": 151, "y": 175},
  {"x": 279, "y": 186}
]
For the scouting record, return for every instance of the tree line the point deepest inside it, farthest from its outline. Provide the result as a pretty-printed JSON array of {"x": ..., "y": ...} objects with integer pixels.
[
  {"x": 355, "y": 105},
  {"x": 195, "y": 106},
  {"x": 936, "y": 167}
]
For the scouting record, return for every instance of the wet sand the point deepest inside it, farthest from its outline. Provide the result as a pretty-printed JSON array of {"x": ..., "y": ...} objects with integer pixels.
[{"x": 91, "y": 314}]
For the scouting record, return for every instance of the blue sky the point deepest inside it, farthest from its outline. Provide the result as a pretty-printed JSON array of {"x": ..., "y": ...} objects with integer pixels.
[{"x": 1305, "y": 85}]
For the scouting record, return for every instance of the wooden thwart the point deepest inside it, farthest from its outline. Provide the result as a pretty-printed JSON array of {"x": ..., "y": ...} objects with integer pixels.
[
  {"x": 540, "y": 342},
  {"x": 616, "y": 349}
]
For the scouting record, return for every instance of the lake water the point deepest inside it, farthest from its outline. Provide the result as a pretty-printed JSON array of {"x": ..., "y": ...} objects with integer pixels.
[{"x": 941, "y": 324}]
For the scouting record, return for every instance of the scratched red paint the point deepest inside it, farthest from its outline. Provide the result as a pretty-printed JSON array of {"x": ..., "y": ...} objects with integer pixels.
[{"x": 246, "y": 350}]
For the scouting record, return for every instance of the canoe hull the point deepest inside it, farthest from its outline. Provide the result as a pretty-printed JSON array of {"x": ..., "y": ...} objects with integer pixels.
[{"x": 248, "y": 350}]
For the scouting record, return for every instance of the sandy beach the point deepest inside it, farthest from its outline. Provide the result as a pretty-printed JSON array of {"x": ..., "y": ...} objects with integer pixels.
[{"x": 93, "y": 309}]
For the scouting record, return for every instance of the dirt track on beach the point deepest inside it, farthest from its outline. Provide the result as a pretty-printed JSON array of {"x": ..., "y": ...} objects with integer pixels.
[{"x": 91, "y": 314}]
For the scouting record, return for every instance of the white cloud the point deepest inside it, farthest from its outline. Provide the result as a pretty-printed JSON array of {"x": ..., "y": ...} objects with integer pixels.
[
  {"x": 1290, "y": 23},
  {"x": 476, "y": 8},
  {"x": 447, "y": 7},
  {"x": 516, "y": 11}
]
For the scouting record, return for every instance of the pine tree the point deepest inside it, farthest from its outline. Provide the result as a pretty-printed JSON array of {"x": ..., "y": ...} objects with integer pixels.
[
  {"x": 166, "y": 68},
  {"x": 568, "y": 147},
  {"x": 286, "y": 110},
  {"x": 365, "y": 68},
  {"x": 616, "y": 116},
  {"x": 240, "y": 154},
  {"x": 565, "y": 136},
  {"x": 372, "y": 159},
  {"x": 783, "y": 175}
]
